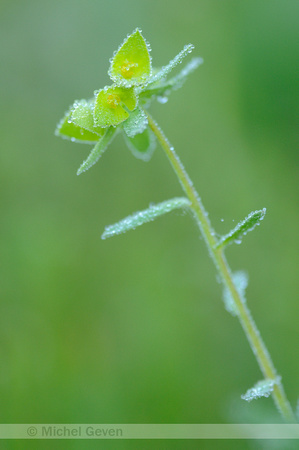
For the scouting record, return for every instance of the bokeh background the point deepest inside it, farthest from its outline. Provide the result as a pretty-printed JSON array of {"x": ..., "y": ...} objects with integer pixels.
[{"x": 133, "y": 329}]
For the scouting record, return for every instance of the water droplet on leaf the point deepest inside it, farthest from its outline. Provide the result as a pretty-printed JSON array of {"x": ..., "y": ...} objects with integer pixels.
[{"x": 162, "y": 99}]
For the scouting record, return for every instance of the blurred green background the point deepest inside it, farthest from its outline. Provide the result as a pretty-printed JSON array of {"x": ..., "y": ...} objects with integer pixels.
[{"x": 133, "y": 329}]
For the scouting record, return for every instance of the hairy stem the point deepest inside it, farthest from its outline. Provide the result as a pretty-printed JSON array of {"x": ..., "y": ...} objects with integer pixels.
[{"x": 258, "y": 347}]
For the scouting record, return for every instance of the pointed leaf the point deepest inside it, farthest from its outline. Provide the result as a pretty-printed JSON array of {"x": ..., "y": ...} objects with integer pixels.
[
  {"x": 165, "y": 88},
  {"x": 167, "y": 69},
  {"x": 261, "y": 389},
  {"x": 131, "y": 64},
  {"x": 240, "y": 280},
  {"x": 142, "y": 145},
  {"x": 68, "y": 130},
  {"x": 141, "y": 217},
  {"x": 82, "y": 116},
  {"x": 98, "y": 150},
  {"x": 179, "y": 79},
  {"x": 136, "y": 123},
  {"x": 110, "y": 105},
  {"x": 248, "y": 224}
]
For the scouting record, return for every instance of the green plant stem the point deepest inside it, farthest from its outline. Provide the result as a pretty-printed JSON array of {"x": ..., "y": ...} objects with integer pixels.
[{"x": 251, "y": 331}]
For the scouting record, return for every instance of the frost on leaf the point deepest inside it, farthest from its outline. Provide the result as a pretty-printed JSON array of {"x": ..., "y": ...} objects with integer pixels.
[
  {"x": 248, "y": 224},
  {"x": 174, "y": 62},
  {"x": 240, "y": 280},
  {"x": 82, "y": 116},
  {"x": 131, "y": 64},
  {"x": 136, "y": 123},
  {"x": 142, "y": 145},
  {"x": 68, "y": 130},
  {"x": 111, "y": 105},
  {"x": 261, "y": 389},
  {"x": 98, "y": 150},
  {"x": 180, "y": 79},
  {"x": 147, "y": 215},
  {"x": 164, "y": 88}
]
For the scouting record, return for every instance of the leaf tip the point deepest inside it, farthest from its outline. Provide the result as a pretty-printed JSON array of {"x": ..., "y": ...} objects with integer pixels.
[
  {"x": 248, "y": 224},
  {"x": 262, "y": 388}
]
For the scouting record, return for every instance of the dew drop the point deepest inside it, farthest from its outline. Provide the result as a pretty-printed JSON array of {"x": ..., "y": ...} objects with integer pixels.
[{"x": 162, "y": 99}]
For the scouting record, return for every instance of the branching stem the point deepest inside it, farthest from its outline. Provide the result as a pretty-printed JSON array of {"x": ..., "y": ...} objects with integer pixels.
[{"x": 258, "y": 347}]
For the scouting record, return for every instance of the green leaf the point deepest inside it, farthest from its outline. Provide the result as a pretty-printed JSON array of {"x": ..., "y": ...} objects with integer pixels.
[
  {"x": 182, "y": 76},
  {"x": 141, "y": 217},
  {"x": 240, "y": 279},
  {"x": 68, "y": 130},
  {"x": 165, "y": 88},
  {"x": 261, "y": 389},
  {"x": 82, "y": 116},
  {"x": 111, "y": 103},
  {"x": 174, "y": 62},
  {"x": 142, "y": 145},
  {"x": 131, "y": 64},
  {"x": 248, "y": 224},
  {"x": 98, "y": 150},
  {"x": 136, "y": 123}
]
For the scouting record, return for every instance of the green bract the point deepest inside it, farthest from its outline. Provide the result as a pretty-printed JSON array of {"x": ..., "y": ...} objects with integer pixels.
[
  {"x": 131, "y": 64},
  {"x": 142, "y": 145},
  {"x": 120, "y": 107},
  {"x": 83, "y": 116},
  {"x": 111, "y": 104},
  {"x": 136, "y": 123},
  {"x": 69, "y": 130}
]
